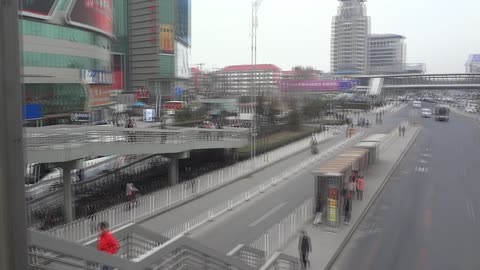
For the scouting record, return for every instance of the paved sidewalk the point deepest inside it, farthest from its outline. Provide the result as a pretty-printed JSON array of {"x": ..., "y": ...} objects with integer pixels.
[{"x": 325, "y": 244}]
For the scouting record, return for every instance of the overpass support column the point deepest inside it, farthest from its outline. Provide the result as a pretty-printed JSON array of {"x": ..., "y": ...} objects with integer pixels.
[
  {"x": 173, "y": 172},
  {"x": 173, "y": 166},
  {"x": 68, "y": 192}
]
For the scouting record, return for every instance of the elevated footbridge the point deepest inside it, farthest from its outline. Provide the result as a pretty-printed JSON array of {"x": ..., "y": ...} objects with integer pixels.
[
  {"x": 419, "y": 82},
  {"x": 67, "y": 143}
]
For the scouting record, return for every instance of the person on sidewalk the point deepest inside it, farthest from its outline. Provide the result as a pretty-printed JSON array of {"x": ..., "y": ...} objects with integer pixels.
[
  {"x": 403, "y": 131},
  {"x": 348, "y": 209},
  {"x": 106, "y": 242},
  {"x": 318, "y": 216},
  {"x": 352, "y": 187},
  {"x": 400, "y": 131},
  {"x": 304, "y": 248},
  {"x": 360, "y": 187}
]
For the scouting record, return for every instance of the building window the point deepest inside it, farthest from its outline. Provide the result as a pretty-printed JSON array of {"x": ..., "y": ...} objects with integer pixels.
[{"x": 34, "y": 59}]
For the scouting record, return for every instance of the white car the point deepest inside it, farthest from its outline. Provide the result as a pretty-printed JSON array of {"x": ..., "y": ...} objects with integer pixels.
[
  {"x": 426, "y": 113},
  {"x": 471, "y": 110}
]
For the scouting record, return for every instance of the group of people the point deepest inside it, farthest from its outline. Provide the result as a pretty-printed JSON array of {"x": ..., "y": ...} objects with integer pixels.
[
  {"x": 363, "y": 122},
  {"x": 378, "y": 117},
  {"x": 356, "y": 186}
]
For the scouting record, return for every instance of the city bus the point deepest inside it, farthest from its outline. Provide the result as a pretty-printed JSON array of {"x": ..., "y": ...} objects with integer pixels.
[{"x": 442, "y": 113}]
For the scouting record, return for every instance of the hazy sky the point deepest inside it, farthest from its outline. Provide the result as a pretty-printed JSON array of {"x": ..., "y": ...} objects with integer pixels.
[{"x": 441, "y": 33}]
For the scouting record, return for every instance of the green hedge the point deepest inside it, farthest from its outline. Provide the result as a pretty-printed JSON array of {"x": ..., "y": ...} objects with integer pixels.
[{"x": 244, "y": 152}]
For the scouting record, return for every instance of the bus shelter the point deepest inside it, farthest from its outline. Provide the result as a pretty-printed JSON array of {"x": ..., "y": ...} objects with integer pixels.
[
  {"x": 332, "y": 178},
  {"x": 373, "y": 150},
  {"x": 378, "y": 138}
]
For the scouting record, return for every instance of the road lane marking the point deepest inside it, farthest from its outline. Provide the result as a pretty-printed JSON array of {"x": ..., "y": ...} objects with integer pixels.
[
  {"x": 427, "y": 218},
  {"x": 421, "y": 169},
  {"x": 269, "y": 213},
  {"x": 235, "y": 249},
  {"x": 471, "y": 210},
  {"x": 423, "y": 161},
  {"x": 422, "y": 259}
]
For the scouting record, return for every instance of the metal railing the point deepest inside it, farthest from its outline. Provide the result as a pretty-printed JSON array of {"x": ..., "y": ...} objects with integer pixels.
[
  {"x": 184, "y": 228},
  {"x": 42, "y": 139},
  {"x": 52, "y": 199},
  {"x": 280, "y": 261},
  {"x": 279, "y": 235},
  {"x": 50, "y": 253},
  {"x": 148, "y": 205},
  {"x": 55, "y": 184}
]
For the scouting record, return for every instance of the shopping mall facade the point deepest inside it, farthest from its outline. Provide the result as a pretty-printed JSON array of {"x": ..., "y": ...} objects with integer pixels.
[{"x": 77, "y": 54}]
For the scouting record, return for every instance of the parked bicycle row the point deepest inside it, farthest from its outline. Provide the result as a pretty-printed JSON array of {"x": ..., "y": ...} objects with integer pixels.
[{"x": 96, "y": 196}]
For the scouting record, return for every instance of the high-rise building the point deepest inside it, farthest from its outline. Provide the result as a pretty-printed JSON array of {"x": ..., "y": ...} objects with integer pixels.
[
  {"x": 159, "y": 42},
  {"x": 349, "y": 43},
  {"x": 473, "y": 64},
  {"x": 386, "y": 53},
  {"x": 66, "y": 59},
  {"x": 237, "y": 80}
]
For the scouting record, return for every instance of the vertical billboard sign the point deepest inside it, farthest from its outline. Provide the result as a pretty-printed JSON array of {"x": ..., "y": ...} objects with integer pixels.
[
  {"x": 41, "y": 9},
  {"x": 118, "y": 71},
  {"x": 166, "y": 39},
  {"x": 182, "y": 61},
  {"x": 96, "y": 15}
]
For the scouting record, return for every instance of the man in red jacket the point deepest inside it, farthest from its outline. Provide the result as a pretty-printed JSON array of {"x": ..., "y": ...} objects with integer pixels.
[{"x": 107, "y": 242}]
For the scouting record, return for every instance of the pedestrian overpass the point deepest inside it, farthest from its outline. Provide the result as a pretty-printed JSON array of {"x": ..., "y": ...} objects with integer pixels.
[
  {"x": 399, "y": 83},
  {"x": 68, "y": 143}
]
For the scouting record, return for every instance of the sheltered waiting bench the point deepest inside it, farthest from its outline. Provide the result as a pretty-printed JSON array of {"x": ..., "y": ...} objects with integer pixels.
[{"x": 332, "y": 178}]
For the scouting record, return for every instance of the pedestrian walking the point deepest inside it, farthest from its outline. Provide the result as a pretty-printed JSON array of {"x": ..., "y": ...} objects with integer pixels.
[
  {"x": 352, "y": 188},
  {"x": 131, "y": 192},
  {"x": 400, "y": 130},
  {"x": 304, "y": 248},
  {"x": 348, "y": 209},
  {"x": 360, "y": 187},
  {"x": 192, "y": 184},
  {"x": 403, "y": 131},
  {"x": 106, "y": 242},
  {"x": 318, "y": 216}
]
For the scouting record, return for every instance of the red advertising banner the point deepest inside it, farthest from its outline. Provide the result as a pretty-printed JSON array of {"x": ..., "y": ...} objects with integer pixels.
[
  {"x": 117, "y": 80},
  {"x": 99, "y": 95},
  {"x": 142, "y": 93},
  {"x": 96, "y": 15}
]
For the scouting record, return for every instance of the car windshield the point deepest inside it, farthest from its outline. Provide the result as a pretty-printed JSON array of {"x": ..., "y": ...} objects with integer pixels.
[{"x": 239, "y": 134}]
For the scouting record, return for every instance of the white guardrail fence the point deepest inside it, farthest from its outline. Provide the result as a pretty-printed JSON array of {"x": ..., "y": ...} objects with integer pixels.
[
  {"x": 182, "y": 229},
  {"x": 83, "y": 230},
  {"x": 278, "y": 236}
]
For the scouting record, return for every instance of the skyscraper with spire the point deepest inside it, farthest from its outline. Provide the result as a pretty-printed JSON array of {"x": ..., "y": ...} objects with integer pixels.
[{"x": 349, "y": 42}]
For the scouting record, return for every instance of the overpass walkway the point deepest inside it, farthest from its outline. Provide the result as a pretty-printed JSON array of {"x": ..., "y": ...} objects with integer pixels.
[{"x": 67, "y": 143}]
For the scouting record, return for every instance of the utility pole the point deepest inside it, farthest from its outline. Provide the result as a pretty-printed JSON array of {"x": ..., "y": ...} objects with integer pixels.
[
  {"x": 255, "y": 6},
  {"x": 13, "y": 233}
]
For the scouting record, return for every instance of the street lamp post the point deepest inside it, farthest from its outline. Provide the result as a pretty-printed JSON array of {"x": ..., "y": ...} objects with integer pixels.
[{"x": 255, "y": 6}]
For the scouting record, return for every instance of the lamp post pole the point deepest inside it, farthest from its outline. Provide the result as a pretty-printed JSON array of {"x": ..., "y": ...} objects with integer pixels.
[{"x": 254, "y": 131}]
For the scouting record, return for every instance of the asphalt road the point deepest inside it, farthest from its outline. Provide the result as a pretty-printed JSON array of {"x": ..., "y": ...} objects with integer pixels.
[
  {"x": 428, "y": 215},
  {"x": 248, "y": 222}
]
